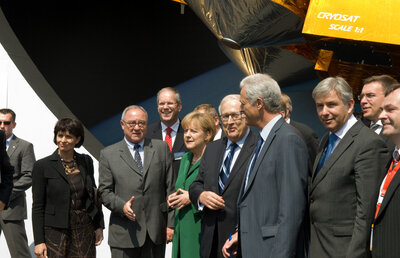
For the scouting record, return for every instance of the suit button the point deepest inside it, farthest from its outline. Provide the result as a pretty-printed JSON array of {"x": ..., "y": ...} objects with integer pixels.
[{"x": 311, "y": 200}]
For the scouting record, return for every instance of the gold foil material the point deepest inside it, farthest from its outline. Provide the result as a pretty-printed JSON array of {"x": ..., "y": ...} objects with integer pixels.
[
  {"x": 324, "y": 60},
  {"x": 299, "y": 7}
]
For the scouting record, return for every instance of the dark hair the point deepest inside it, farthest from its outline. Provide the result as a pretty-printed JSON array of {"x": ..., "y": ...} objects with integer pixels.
[
  {"x": 385, "y": 80},
  {"x": 392, "y": 88},
  {"x": 6, "y": 111},
  {"x": 73, "y": 126}
]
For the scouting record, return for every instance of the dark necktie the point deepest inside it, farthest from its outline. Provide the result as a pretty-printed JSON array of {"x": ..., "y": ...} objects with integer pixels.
[
  {"x": 396, "y": 158},
  {"x": 373, "y": 127},
  {"x": 328, "y": 151},
  {"x": 225, "y": 171},
  {"x": 138, "y": 159},
  {"x": 254, "y": 158},
  {"x": 168, "y": 138}
]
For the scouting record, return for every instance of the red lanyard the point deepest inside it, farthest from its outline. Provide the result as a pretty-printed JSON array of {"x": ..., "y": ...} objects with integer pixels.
[{"x": 391, "y": 173}]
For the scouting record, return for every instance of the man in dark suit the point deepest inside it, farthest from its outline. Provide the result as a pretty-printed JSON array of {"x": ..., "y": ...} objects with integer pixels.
[
  {"x": 169, "y": 128},
  {"x": 6, "y": 173},
  {"x": 350, "y": 160},
  {"x": 309, "y": 136},
  {"x": 22, "y": 158},
  {"x": 210, "y": 109},
  {"x": 273, "y": 196},
  {"x": 371, "y": 98},
  {"x": 135, "y": 179},
  {"x": 219, "y": 202},
  {"x": 385, "y": 212}
]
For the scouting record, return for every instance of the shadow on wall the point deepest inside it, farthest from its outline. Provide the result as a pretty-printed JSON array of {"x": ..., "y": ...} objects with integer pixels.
[{"x": 210, "y": 88}]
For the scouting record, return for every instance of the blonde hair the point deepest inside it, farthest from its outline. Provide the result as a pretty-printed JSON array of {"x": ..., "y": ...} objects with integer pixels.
[{"x": 204, "y": 120}]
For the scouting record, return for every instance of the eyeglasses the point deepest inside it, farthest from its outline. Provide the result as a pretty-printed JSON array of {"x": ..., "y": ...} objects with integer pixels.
[
  {"x": 368, "y": 96},
  {"x": 169, "y": 104},
  {"x": 132, "y": 124},
  {"x": 235, "y": 116},
  {"x": 5, "y": 122}
]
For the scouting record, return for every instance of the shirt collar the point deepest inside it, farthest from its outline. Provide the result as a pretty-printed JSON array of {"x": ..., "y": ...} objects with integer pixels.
[
  {"x": 379, "y": 122},
  {"x": 346, "y": 127},
  {"x": 132, "y": 145},
  {"x": 240, "y": 142},
  {"x": 268, "y": 127},
  {"x": 174, "y": 127}
]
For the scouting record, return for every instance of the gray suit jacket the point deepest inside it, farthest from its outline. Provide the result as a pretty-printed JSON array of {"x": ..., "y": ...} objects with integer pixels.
[
  {"x": 341, "y": 193},
  {"x": 22, "y": 158},
  {"x": 120, "y": 179},
  {"x": 272, "y": 207}
]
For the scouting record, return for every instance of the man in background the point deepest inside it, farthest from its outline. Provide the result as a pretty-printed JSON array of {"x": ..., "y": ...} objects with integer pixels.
[
  {"x": 210, "y": 109},
  {"x": 308, "y": 134},
  {"x": 22, "y": 158},
  {"x": 371, "y": 99},
  {"x": 169, "y": 127}
]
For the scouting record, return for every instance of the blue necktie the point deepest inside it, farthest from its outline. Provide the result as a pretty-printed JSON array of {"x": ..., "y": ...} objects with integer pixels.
[
  {"x": 225, "y": 171},
  {"x": 328, "y": 151},
  {"x": 138, "y": 159},
  {"x": 254, "y": 158}
]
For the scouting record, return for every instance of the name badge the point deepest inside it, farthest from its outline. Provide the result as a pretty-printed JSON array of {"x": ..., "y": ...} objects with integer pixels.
[{"x": 178, "y": 155}]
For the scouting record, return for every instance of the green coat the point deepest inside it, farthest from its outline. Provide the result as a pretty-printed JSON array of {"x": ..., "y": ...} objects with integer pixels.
[{"x": 187, "y": 220}]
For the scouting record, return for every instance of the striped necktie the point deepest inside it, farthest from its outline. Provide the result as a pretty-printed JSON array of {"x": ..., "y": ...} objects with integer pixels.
[{"x": 225, "y": 171}]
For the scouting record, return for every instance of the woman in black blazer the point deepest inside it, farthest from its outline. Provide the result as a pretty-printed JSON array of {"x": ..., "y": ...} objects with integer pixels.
[{"x": 66, "y": 221}]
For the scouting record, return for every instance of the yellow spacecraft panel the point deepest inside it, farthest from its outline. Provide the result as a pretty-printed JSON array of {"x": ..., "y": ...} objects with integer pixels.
[{"x": 367, "y": 20}]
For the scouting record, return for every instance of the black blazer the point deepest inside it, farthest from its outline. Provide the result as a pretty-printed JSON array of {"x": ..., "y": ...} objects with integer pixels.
[
  {"x": 207, "y": 180},
  {"x": 310, "y": 138},
  {"x": 51, "y": 194},
  {"x": 154, "y": 132},
  {"x": 6, "y": 171},
  {"x": 386, "y": 234}
]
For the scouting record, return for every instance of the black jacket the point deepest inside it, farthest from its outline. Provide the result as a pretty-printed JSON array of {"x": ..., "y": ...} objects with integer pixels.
[{"x": 51, "y": 194}]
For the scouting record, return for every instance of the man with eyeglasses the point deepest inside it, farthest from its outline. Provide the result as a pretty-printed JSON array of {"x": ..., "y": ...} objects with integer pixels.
[
  {"x": 217, "y": 186},
  {"x": 135, "y": 179},
  {"x": 169, "y": 128},
  {"x": 22, "y": 158},
  {"x": 210, "y": 109},
  {"x": 371, "y": 99}
]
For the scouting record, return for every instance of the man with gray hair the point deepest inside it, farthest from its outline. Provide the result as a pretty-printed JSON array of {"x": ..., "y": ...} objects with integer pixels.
[
  {"x": 135, "y": 179},
  {"x": 217, "y": 186},
  {"x": 350, "y": 161},
  {"x": 273, "y": 197}
]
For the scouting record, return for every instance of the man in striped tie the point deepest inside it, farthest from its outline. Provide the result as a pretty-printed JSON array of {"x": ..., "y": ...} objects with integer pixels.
[{"x": 222, "y": 168}]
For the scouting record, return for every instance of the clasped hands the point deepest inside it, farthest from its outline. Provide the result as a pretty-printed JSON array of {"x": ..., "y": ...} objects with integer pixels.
[
  {"x": 179, "y": 199},
  {"x": 211, "y": 200}
]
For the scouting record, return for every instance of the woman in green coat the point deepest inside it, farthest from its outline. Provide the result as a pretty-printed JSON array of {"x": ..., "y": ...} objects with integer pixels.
[{"x": 199, "y": 129}]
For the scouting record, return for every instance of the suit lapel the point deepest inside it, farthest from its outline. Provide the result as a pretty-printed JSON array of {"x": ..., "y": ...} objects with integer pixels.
[
  {"x": 347, "y": 140},
  {"x": 58, "y": 166},
  {"x": 13, "y": 145},
  {"x": 126, "y": 156},
  {"x": 81, "y": 160},
  {"x": 148, "y": 155},
  {"x": 323, "y": 144},
  {"x": 242, "y": 159},
  {"x": 178, "y": 140},
  {"x": 390, "y": 191},
  {"x": 263, "y": 152}
]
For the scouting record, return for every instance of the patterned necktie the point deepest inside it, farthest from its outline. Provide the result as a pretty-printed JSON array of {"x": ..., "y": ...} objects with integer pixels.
[
  {"x": 168, "y": 138},
  {"x": 374, "y": 127},
  {"x": 328, "y": 151},
  {"x": 225, "y": 171},
  {"x": 254, "y": 158},
  {"x": 138, "y": 159}
]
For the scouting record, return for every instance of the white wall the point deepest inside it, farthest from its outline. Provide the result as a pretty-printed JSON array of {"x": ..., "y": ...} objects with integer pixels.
[{"x": 35, "y": 123}]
